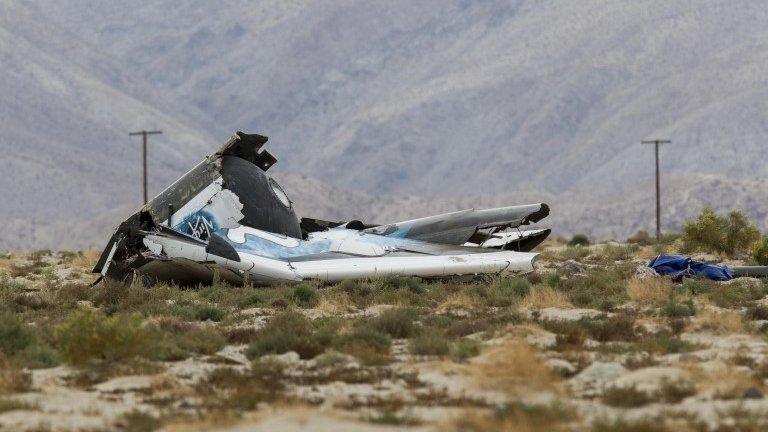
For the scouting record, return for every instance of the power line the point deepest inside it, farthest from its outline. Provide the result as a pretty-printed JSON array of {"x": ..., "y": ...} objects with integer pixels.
[
  {"x": 144, "y": 135},
  {"x": 658, "y": 183}
]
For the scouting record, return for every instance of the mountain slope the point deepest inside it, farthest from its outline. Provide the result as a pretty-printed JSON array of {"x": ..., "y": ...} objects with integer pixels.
[{"x": 435, "y": 97}]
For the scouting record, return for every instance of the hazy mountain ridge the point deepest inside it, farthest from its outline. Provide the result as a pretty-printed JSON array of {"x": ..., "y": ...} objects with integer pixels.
[{"x": 397, "y": 110}]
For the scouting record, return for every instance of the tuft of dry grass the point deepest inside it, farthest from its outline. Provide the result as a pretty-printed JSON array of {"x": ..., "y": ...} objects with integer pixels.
[
  {"x": 459, "y": 304},
  {"x": 13, "y": 379},
  {"x": 513, "y": 367},
  {"x": 543, "y": 297},
  {"x": 335, "y": 303},
  {"x": 724, "y": 321},
  {"x": 654, "y": 291},
  {"x": 726, "y": 382},
  {"x": 86, "y": 259}
]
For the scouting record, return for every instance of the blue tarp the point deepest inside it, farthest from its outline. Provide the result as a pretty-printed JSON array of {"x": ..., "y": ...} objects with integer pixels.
[{"x": 679, "y": 266}]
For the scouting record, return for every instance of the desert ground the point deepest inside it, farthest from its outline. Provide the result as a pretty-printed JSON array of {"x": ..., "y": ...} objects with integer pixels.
[{"x": 590, "y": 341}]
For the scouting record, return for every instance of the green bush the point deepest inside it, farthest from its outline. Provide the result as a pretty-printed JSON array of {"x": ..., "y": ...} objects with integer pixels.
[
  {"x": 579, "y": 240},
  {"x": 430, "y": 343},
  {"x": 711, "y": 232},
  {"x": 504, "y": 292},
  {"x": 367, "y": 344},
  {"x": 760, "y": 254},
  {"x": 202, "y": 340},
  {"x": 206, "y": 312},
  {"x": 305, "y": 296},
  {"x": 290, "y": 331},
  {"x": 463, "y": 349},
  {"x": 14, "y": 334},
  {"x": 396, "y": 322},
  {"x": 735, "y": 294},
  {"x": 599, "y": 288},
  {"x": 89, "y": 335},
  {"x": 675, "y": 309}
]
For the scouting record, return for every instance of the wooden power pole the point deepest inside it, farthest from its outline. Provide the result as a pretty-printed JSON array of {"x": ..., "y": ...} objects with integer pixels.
[
  {"x": 144, "y": 134},
  {"x": 658, "y": 184}
]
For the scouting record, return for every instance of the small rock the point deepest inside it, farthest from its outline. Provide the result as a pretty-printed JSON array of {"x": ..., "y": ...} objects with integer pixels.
[
  {"x": 561, "y": 367},
  {"x": 687, "y": 357},
  {"x": 592, "y": 380},
  {"x": 644, "y": 271},
  {"x": 541, "y": 339},
  {"x": 125, "y": 384},
  {"x": 563, "y": 314},
  {"x": 650, "y": 380},
  {"x": 290, "y": 358},
  {"x": 571, "y": 267},
  {"x": 753, "y": 393}
]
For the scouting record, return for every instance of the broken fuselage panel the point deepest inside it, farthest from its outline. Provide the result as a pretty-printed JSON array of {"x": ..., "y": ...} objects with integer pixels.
[{"x": 227, "y": 216}]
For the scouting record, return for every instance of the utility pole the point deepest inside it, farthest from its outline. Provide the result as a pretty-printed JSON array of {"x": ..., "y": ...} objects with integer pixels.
[
  {"x": 658, "y": 184},
  {"x": 144, "y": 134}
]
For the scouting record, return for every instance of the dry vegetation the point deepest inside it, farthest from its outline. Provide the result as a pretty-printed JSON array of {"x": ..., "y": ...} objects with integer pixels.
[{"x": 585, "y": 343}]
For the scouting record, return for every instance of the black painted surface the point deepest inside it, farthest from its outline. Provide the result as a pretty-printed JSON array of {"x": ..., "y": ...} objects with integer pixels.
[{"x": 261, "y": 207}]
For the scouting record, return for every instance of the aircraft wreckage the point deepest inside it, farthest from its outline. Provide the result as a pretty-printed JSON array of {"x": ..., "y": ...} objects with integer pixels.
[{"x": 227, "y": 216}]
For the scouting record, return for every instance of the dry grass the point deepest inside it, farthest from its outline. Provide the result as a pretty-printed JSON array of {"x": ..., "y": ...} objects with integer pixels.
[
  {"x": 513, "y": 367},
  {"x": 724, "y": 321},
  {"x": 726, "y": 382},
  {"x": 543, "y": 297},
  {"x": 13, "y": 379},
  {"x": 459, "y": 304},
  {"x": 650, "y": 291},
  {"x": 86, "y": 259},
  {"x": 335, "y": 304}
]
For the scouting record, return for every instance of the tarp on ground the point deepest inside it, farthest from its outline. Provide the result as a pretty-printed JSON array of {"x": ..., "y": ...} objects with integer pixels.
[{"x": 679, "y": 267}]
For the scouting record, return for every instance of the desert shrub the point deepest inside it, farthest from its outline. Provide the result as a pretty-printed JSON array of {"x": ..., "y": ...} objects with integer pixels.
[
  {"x": 579, "y": 240},
  {"x": 202, "y": 340},
  {"x": 735, "y": 294},
  {"x": 711, "y": 232},
  {"x": 619, "y": 327},
  {"x": 463, "y": 348},
  {"x": 229, "y": 389},
  {"x": 625, "y": 397},
  {"x": 650, "y": 291},
  {"x": 304, "y": 295},
  {"x": 396, "y": 322},
  {"x": 544, "y": 297},
  {"x": 137, "y": 421},
  {"x": 70, "y": 293},
  {"x": 665, "y": 344},
  {"x": 553, "y": 280},
  {"x": 619, "y": 424},
  {"x": 241, "y": 335},
  {"x": 599, "y": 288},
  {"x": 208, "y": 312},
  {"x": 367, "y": 344},
  {"x": 89, "y": 335},
  {"x": 13, "y": 378},
  {"x": 674, "y": 309},
  {"x": 289, "y": 331},
  {"x": 698, "y": 286},
  {"x": 398, "y": 283},
  {"x": 641, "y": 238},
  {"x": 505, "y": 291},
  {"x": 611, "y": 252},
  {"x": 577, "y": 252},
  {"x": 467, "y": 327},
  {"x": 39, "y": 356},
  {"x": 757, "y": 312},
  {"x": 430, "y": 343},
  {"x": 14, "y": 334},
  {"x": 760, "y": 253}
]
